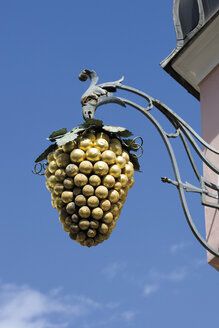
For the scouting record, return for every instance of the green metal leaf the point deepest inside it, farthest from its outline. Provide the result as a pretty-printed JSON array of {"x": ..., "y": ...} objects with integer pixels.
[
  {"x": 77, "y": 130},
  {"x": 118, "y": 130},
  {"x": 113, "y": 129},
  {"x": 135, "y": 162},
  {"x": 70, "y": 136},
  {"x": 57, "y": 133},
  {"x": 91, "y": 122},
  {"x": 66, "y": 138},
  {"x": 130, "y": 144},
  {"x": 45, "y": 153},
  {"x": 125, "y": 134}
]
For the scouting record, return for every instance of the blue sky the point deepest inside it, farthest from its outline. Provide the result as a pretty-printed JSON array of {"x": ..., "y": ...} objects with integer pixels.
[{"x": 151, "y": 272}]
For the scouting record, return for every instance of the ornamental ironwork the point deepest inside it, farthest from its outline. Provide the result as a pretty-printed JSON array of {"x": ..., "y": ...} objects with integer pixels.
[{"x": 101, "y": 94}]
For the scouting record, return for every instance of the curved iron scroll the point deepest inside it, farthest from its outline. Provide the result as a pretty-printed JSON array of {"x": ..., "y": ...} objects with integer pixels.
[{"x": 97, "y": 95}]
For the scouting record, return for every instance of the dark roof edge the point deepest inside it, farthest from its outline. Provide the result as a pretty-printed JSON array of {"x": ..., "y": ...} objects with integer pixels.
[
  {"x": 166, "y": 64},
  {"x": 169, "y": 69}
]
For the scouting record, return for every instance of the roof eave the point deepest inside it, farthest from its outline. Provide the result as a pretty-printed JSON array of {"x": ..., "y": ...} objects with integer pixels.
[{"x": 181, "y": 47}]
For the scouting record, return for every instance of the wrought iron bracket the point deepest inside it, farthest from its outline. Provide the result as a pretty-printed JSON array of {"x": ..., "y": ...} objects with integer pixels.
[{"x": 100, "y": 94}]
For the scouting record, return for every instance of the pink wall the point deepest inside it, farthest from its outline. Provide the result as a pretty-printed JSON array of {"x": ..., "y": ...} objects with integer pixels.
[{"x": 209, "y": 91}]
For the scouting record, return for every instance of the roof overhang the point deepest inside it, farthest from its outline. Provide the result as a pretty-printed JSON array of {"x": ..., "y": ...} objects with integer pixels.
[{"x": 191, "y": 62}]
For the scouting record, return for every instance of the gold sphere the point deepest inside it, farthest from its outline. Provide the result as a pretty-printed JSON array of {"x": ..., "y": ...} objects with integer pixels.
[
  {"x": 119, "y": 204},
  {"x": 75, "y": 218},
  {"x": 101, "y": 192},
  {"x": 116, "y": 141},
  {"x": 62, "y": 220},
  {"x": 103, "y": 228},
  {"x": 76, "y": 191},
  {"x": 109, "y": 157},
  {"x": 88, "y": 190},
  {"x": 107, "y": 235},
  {"x": 58, "y": 188},
  {"x": 94, "y": 180},
  {"x": 112, "y": 225},
  {"x": 47, "y": 173},
  {"x": 67, "y": 196},
  {"x": 84, "y": 212},
  {"x": 131, "y": 182},
  {"x": 115, "y": 146},
  {"x": 122, "y": 194},
  {"x": 97, "y": 213},
  {"x": 118, "y": 186},
  {"x": 57, "y": 152},
  {"x": 60, "y": 174},
  {"x": 48, "y": 186},
  {"x": 52, "y": 167},
  {"x": 91, "y": 233},
  {"x": 108, "y": 217},
  {"x": 99, "y": 238},
  {"x": 68, "y": 183},
  {"x": 50, "y": 157},
  {"x": 94, "y": 224},
  {"x": 52, "y": 181},
  {"x": 120, "y": 161},
  {"x": 93, "y": 154},
  {"x": 113, "y": 196},
  {"x": 80, "y": 200},
  {"x": 123, "y": 179},
  {"x": 105, "y": 204},
  {"x": 80, "y": 180},
  {"x": 85, "y": 144},
  {"x": 59, "y": 208},
  {"x": 71, "y": 170},
  {"x": 77, "y": 155},
  {"x": 123, "y": 201},
  {"x": 84, "y": 224},
  {"x": 63, "y": 160},
  {"x": 70, "y": 208},
  {"x": 53, "y": 195},
  {"x": 101, "y": 144},
  {"x": 66, "y": 227},
  {"x": 129, "y": 170},
  {"x": 103, "y": 135},
  {"x": 115, "y": 171},
  {"x": 68, "y": 220},
  {"x": 53, "y": 204},
  {"x": 114, "y": 209},
  {"x": 101, "y": 168},
  {"x": 74, "y": 228},
  {"x": 109, "y": 181},
  {"x": 89, "y": 135},
  {"x": 125, "y": 155},
  {"x": 81, "y": 236},
  {"x": 63, "y": 213},
  {"x": 89, "y": 242},
  {"x": 116, "y": 217},
  {"x": 86, "y": 167},
  {"x": 73, "y": 235},
  {"x": 68, "y": 147},
  {"x": 93, "y": 201},
  {"x": 58, "y": 203}
]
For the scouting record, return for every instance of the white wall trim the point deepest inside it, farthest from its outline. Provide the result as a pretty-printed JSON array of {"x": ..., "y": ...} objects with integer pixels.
[{"x": 199, "y": 57}]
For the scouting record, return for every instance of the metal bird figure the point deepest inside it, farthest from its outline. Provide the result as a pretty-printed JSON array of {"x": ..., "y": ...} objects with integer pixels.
[{"x": 97, "y": 95}]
